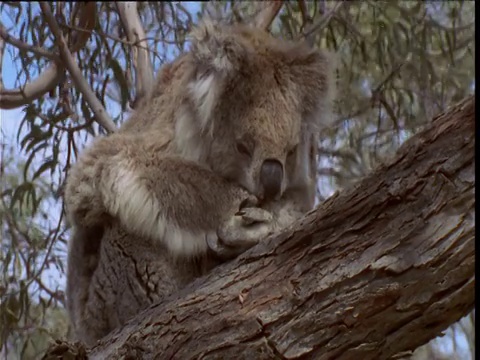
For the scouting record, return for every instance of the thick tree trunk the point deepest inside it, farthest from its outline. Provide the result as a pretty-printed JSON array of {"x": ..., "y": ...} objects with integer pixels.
[{"x": 378, "y": 269}]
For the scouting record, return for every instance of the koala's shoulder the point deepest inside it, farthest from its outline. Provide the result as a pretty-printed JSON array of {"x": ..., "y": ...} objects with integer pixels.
[
  {"x": 170, "y": 74},
  {"x": 157, "y": 108}
]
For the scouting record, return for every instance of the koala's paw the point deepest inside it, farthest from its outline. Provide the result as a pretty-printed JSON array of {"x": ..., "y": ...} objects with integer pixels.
[{"x": 242, "y": 231}]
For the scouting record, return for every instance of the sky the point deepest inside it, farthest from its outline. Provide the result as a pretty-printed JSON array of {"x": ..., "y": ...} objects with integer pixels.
[
  {"x": 9, "y": 119},
  {"x": 9, "y": 122}
]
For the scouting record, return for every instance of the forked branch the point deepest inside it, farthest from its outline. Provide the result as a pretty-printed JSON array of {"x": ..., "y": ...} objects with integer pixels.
[
  {"x": 55, "y": 72},
  {"x": 69, "y": 62}
]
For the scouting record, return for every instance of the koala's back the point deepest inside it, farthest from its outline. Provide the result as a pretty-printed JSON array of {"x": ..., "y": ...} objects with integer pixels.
[
  {"x": 157, "y": 110},
  {"x": 129, "y": 275}
]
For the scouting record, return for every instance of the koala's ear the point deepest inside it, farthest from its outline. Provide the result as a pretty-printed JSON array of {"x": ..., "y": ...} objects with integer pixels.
[
  {"x": 217, "y": 48},
  {"x": 217, "y": 54},
  {"x": 314, "y": 72}
]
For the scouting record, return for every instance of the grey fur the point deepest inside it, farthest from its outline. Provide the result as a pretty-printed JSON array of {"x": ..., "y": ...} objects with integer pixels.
[{"x": 156, "y": 204}]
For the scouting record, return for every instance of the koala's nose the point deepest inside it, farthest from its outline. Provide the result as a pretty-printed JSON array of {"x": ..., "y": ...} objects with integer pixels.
[{"x": 271, "y": 176}]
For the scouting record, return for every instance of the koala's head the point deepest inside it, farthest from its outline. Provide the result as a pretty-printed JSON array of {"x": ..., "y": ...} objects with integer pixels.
[{"x": 252, "y": 105}]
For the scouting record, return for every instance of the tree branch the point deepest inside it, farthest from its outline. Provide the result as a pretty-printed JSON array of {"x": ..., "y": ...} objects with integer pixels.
[
  {"x": 265, "y": 17},
  {"x": 19, "y": 44},
  {"x": 304, "y": 12},
  {"x": 101, "y": 115},
  {"x": 55, "y": 73},
  {"x": 2, "y": 52},
  {"x": 87, "y": 19},
  {"x": 309, "y": 31},
  {"x": 376, "y": 270},
  {"x": 136, "y": 35},
  {"x": 47, "y": 81}
]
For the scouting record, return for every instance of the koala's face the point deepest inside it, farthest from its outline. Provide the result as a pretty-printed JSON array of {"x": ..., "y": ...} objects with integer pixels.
[
  {"x": 257, "y": 129},
  {"x": 257, "y": 100}
]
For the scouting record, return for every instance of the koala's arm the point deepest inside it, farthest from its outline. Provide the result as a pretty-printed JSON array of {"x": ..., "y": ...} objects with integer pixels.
[{"x": 158, "y": 196}]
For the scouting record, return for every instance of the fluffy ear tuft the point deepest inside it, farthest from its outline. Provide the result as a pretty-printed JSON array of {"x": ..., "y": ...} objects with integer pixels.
[
  {"x": 205, "y": 90},
  {"x": 314, "y": 72},
  {"x": 214, "y": 47},
  {"x": 217, "y": 54}
]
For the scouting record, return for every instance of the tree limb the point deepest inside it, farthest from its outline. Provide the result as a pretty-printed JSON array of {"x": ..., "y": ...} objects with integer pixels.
[
  {"x": 136, "y": 35},
  {"x": 87, "y": 19},
  {"x": 304, "y": 12},
  {"x": 309, "y": 31},
  {"x": 101, "y": 115},
  {"x": 376, "y": 270},
  {"x": 2, "y": 52},
  {"x": 19, "y": 44},
  {"x": 265, "y": 17},
  {"x": 47, "y": 81},
  {"x": 55, "y": 72}
]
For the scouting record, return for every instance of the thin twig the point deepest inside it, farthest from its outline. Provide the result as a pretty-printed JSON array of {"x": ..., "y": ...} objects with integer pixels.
[
  {"x": 348, "y": 25},
  {"x": 24, "y": 46},
  {"x": 58, "y": 295},
  {"x": 101, "y": 115},
  {"x": 374, "y": 98},
  {"x": 320, "y": 24},
  {"x": 101, "y": 33}
]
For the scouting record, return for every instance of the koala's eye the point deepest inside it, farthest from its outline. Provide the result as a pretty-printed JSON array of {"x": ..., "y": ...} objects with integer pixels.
[
  {"x": 292, "y": 151},
  {"x": 243, "y": 149}
]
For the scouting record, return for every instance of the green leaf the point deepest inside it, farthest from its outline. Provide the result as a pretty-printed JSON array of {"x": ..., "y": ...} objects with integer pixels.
[
  {"x": 48, "y": 165},
  {"x": 121, "y": 81}
]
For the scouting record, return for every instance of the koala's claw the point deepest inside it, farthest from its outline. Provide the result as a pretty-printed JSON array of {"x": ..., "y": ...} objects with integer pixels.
[
  {"x": 219, "y": 249},
  {"x": 246, "y": 227},
  {"x": 242, "y": 231},
  {"x": 249, "y": 202},
  {"x": 253, "y": 215}
]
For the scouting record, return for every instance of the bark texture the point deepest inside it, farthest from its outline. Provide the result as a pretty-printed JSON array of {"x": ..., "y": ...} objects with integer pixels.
[{"x": 377, "y": 269}]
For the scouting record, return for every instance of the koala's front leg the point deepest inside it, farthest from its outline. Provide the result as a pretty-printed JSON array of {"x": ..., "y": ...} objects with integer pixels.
[
  {"x": 252, "y": 224},
  {"x": 155, "y": 195}
]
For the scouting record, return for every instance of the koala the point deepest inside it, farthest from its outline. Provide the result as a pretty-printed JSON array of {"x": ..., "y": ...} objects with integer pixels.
[{"x": 218, "y": 156}]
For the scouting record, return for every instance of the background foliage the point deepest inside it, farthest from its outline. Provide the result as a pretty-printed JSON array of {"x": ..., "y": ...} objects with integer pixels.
[{"x": 399, "y": 63}]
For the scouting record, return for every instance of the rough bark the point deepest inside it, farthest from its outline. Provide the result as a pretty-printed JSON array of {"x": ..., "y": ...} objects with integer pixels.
[{"x": 377, "y": 269}]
